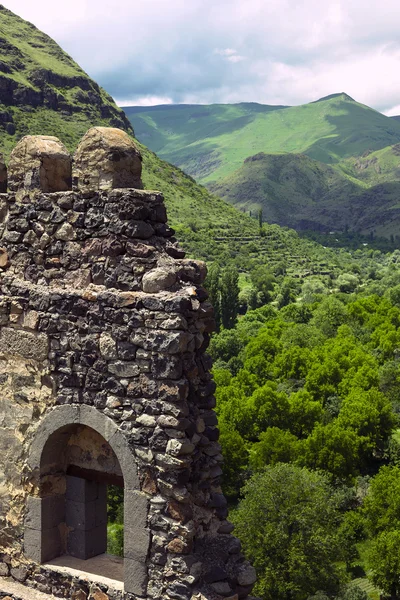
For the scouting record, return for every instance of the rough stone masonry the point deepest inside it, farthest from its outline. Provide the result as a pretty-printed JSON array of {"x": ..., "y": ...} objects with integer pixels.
[{"x": 104, "y": 380}]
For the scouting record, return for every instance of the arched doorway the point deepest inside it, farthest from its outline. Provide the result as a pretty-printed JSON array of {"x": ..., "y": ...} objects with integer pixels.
[{"x": 77, "y": 452}]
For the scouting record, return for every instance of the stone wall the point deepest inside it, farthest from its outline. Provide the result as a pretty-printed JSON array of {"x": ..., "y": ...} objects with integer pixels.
[{"x": 103, "y": 331}]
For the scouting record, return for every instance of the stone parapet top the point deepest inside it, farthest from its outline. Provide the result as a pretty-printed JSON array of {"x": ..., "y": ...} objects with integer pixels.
[{"x": 106, "y": 158}]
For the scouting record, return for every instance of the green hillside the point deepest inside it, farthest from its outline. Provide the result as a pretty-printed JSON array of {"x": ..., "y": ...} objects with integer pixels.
[
  {"x": 266, "y": 179},
  {"x": 376, "y": 167},
  {"x": 210, "y": 142},
  {"x": 297, "y": 191},
  {"x": 330, "y": 164},
  {"x": 42, "y": 90}
]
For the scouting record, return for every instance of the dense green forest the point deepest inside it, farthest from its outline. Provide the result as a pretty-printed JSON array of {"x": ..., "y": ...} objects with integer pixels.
[{"x": 308, "y": 402}]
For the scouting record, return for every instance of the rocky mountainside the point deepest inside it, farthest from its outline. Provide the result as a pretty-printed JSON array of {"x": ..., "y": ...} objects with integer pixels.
[
  {"x": 42, "y": 89},
  {"x": 330, "y": 164}
]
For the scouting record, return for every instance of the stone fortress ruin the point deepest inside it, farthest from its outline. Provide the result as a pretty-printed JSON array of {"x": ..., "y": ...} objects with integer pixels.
[{"x": 104, "y": 380}]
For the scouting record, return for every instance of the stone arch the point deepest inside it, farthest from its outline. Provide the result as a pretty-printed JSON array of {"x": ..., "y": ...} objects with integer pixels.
[{"x": 45, "y": 510}]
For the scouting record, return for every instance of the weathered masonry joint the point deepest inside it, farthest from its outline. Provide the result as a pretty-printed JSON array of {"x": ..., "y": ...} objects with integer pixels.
[{"x": 104, "y": 380}]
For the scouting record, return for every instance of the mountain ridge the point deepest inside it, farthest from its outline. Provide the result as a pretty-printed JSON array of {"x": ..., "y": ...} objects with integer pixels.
[{"x": 215, "y": 144}]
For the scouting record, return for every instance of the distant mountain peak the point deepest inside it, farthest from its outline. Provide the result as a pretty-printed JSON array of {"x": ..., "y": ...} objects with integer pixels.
[{"x": 341, "y": 95}]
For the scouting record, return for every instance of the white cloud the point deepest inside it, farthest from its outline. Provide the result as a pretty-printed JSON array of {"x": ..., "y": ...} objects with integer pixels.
[
  {"x": 230, "y": 54},
  {"x": 225, "y": 51},
  {"x": 284, "y": 51},
  {"x": 144, "y": 101},
  {"x": 393, "y": 112},
  {"x": 235, "y": 58}
]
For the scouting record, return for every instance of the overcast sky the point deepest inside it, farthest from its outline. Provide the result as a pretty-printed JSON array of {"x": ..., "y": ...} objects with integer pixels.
[{"x": 203, "y": 51}]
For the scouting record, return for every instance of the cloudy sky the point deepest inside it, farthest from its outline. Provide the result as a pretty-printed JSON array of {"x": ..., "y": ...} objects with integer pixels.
[{"x": 203, "y": 51}]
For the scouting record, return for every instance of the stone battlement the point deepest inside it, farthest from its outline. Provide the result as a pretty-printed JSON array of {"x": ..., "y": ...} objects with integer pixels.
[{"x": 105, "y": 381}]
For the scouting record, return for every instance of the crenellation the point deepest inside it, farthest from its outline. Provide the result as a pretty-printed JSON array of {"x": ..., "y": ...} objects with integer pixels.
[
  {"x": 106, "y": 159},
  {"x": 41, "y": 163},
  {"x": 103, "y": 331}
]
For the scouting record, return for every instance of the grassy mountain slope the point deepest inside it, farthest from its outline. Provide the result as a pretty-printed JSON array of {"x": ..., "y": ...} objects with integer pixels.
[
  {"x": 210, "y": 142},
  {"x": 43, "y": 91},
  {"x": 267, "y": 179},
  {"x": 375, "y": 167},
  {"x": 297, "y": 191},
  {"x": 330, "y": 164}
]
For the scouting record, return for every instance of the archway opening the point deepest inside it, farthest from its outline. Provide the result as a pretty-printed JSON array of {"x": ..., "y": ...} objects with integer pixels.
[
  {"x": 78, "y": 472},
  {"x": 81, "y": 442}
]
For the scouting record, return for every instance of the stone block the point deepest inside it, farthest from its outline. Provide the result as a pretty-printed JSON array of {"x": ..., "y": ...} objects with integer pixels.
[
  {"x": 40, "y": 162},
  {"x": 247, "y": 575},
  {"x": 101, "y": 511},
  {"x": 23, "y": 343},
  {"x": 136, "y": 534},
  {"x": 124, "y": 369},
  {"x": 52, "y": 545},
  {"x": 158, "y": 279},
  {"x": 91, "y": 417},
  {"x": 135, "y": 577},
  {"x": 96, "y": 540},
  {"x": 32, "y": 544},
  {"x": 80, "y": 515},
  {"x": 81, "y": 490},
  {"x": 42, "y": 546},
  {"x": 136, "y": 542},
  {"x": 105, "y": 159},
  {"x": 45, "y": 513},
  {"x": 126, "y": 459},
  {"x": 86, "y": 544},
  {"x": 33, "y": 518},
  {"x": 76, "y": 544}
]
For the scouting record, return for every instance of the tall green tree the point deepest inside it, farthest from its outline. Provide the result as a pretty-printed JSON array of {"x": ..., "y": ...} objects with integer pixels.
[
  {"x": 288, "y": 522},
  {"x": 382, "y": 513},
  {"x": 213, "y": 286},
  {"x": 260, "y": 217},
  {"x": 263, "y": 282},
  {"x": 229, "y": 297}
]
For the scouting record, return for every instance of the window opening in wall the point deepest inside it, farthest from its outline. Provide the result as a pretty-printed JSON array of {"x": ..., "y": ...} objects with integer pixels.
[{"x": 83, "y": 528}]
